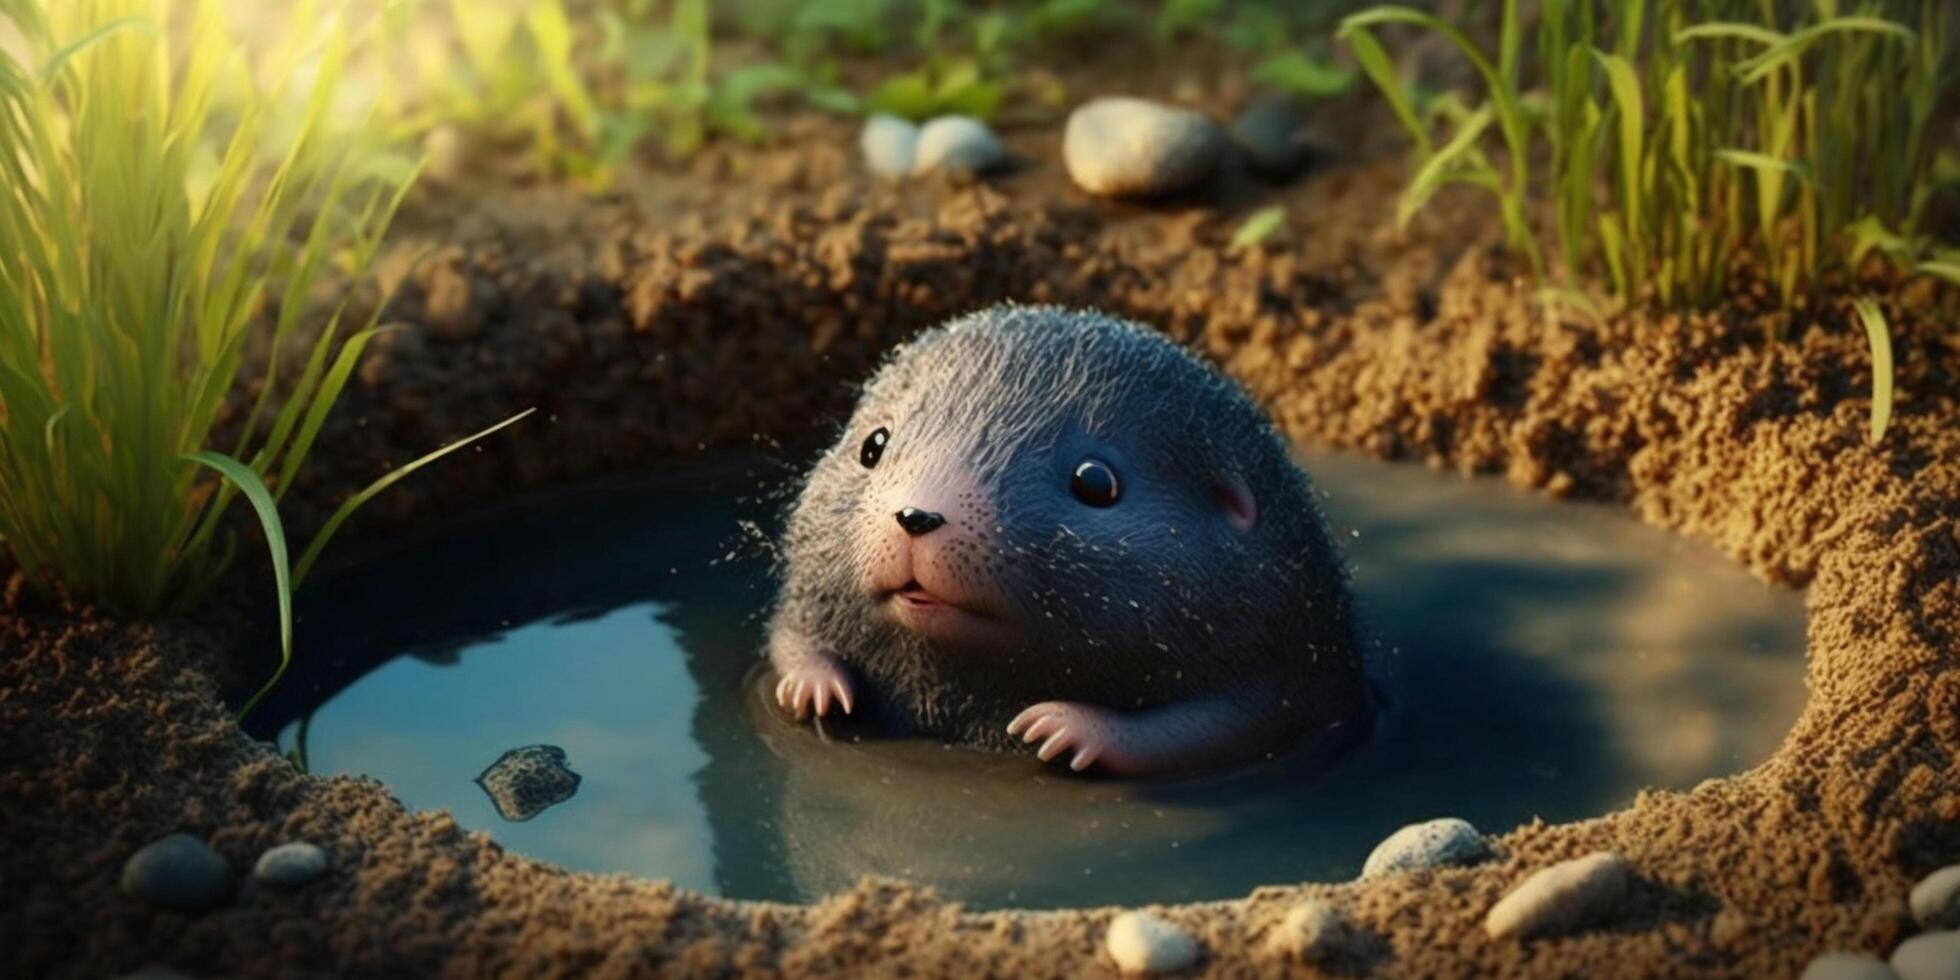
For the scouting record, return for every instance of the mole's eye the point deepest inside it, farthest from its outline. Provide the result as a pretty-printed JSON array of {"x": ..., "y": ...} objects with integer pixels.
[
  {"x": 874, "y": 446},
  {"x": 1094, "y": 483}
]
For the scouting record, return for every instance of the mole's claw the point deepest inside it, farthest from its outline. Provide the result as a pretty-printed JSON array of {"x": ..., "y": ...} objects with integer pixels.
[
  {"x": 1054, "y": 746},
  {"x": 843, "y": 692},
  {"x": 1085, "y": 756}
]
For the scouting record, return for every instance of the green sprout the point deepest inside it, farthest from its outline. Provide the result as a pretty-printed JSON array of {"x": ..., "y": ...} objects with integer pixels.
[
  {"x": 131, "y": 276},
  {"x": 1679, "y": 133}
]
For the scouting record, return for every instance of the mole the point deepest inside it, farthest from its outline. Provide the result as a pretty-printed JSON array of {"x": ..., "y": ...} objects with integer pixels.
[{"x": 1057, "y": 530}]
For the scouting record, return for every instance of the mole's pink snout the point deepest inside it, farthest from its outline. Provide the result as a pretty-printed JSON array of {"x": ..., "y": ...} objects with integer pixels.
[{"x": 929, "y": 574}]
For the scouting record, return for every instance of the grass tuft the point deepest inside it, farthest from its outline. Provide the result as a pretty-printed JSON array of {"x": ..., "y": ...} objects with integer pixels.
[
  {"x": 1670, "y": 135},
  {"x": 135, "y": 260}
]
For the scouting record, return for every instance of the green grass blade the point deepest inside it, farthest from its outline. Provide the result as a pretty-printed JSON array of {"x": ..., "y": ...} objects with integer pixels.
[
  {"x": 248, "y": 483},
  {"x": 346, "y": 510},
  {"x": 1878, "y": 334}
]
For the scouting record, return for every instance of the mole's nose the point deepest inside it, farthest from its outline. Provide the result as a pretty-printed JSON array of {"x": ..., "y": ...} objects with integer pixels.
[{"x": 917, "y": 522}]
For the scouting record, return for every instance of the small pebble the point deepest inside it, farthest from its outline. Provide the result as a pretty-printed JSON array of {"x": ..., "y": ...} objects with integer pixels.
[
  {"x": 154, "y": 971},
  {"x": 525, "y": 782},
  {"x": 1142, "y": 943},
  {"x": 1935, "y": 900},
  {"x": 1126, "y": 147},
  {"x": 1441, "y": 843},
  {"x": 1563, "y": 898},
  {"x": 178, "y": 872},
  {"x": 889, "y": 144},
  {"x": 1312, "y": 931},
  {"x": 1928, "y": 956},
  {"x": 1272, "y": 130},
  {"x": 959, "y": 145},
  {"x": 291, "y": 865},
  {"x": 1848, "y": 966},
  {"x": 445, "y": 154}
]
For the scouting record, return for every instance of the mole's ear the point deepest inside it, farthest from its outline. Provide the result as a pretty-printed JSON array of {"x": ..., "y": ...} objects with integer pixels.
[{"x": 1235, "y": 499}]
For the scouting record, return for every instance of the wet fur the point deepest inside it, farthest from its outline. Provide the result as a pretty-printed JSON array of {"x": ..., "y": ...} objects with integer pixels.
[{"x": 1142, "y": 604}]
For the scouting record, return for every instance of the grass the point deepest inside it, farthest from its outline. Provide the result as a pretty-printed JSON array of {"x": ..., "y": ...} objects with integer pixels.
[
  {"x": 142, "y": 238},
  {"x": 1670, "y": 135}
]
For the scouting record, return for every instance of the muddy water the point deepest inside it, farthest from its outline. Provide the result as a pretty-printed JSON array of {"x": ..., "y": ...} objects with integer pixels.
[{"x": 1537, "y": 660}]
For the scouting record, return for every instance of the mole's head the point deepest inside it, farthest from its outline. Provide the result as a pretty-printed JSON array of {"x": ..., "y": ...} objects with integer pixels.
[{"x": 1035, "y": 479}]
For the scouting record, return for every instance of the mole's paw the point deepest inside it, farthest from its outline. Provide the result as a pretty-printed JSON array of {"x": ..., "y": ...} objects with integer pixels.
[
  {"x": 1085, "y": 730},
  {"x": 814, "y": 685}
]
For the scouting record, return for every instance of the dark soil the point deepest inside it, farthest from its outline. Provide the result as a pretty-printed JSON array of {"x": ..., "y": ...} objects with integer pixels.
[{"x": 740, "y": 300}]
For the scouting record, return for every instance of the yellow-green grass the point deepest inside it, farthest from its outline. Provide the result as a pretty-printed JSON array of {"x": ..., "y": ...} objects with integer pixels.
[
  {"x": 141, "y": 241},
  {"x": 1671, "y": 135}
]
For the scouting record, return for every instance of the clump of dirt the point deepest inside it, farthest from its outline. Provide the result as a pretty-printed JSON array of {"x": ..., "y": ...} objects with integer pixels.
[{"x": 641, "y": 336}]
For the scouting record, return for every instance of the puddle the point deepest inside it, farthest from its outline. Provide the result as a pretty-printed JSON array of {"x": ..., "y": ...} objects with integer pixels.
[{"x": 1540, "y": 660}]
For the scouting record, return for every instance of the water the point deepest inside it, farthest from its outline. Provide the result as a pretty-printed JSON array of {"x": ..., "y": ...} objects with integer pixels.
[{"x": 1541, "y": 659}]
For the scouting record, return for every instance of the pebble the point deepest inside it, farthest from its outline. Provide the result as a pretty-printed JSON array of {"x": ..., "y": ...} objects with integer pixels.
[
  {"x": 1440, "y": 843},
  {"x": 1563, "y": 898},
  {"x": 1127, "y": 147},
  {"x": 960, "y": 145},
  {"x": 1848, "y": 966},
  {"x": 178, "y": 872},
  {"x": 291, "y": 865},
  {"x": 1312, "y": 931},
  {"x": 1272, "y": 130},
  {"x": 1928, "y": 956},
  {"x": 889, "y": 144},
  {"x": 1142, "y": 943},
  {"x": 527, "y": 781},
  {"x": 1935, "y": 900}
]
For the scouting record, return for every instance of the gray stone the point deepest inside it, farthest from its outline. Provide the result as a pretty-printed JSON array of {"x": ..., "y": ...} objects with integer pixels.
[
  {"x": 1440, "y": 843},
  {"x": 890, "y": 145},
  {"x": 1127, "y": 147},
  {"x": 1143, "y": 943},
  {"x": 291, "y": 865},
  {"x": 1935, "y": 900},
  {"x": 525, "y": 782},
  {"x": 154, "y": 971},
  {"x": 1272, "y": 130},
  {"x": 1563, "y": 898},
  {"x": 959, "y": 145},
  {"x": 1928, "y": 956},
  {"x": 1312, "y": 931},
  {"x": 1848, "y": 966},
  {"x": 178, "y": 872}
]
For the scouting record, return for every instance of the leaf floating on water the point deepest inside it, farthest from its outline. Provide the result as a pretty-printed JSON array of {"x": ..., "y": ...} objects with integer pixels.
[{"x": 527, "y": 781}]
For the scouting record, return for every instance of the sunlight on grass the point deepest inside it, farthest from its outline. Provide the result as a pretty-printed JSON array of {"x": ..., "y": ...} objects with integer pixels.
[{"x": 133, "y": 269}]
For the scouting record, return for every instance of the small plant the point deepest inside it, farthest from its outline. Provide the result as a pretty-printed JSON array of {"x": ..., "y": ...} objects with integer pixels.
[
  {"x": 130, "y": 278},
  {"x": 1679, "y": 133}
]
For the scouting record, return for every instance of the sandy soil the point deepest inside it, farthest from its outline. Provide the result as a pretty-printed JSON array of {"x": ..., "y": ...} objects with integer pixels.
[{"x": 642, "y": 333}]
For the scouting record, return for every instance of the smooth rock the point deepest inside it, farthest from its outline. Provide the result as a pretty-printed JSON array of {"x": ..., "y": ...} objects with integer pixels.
[
  {"x": 527, "y": 781},
  {"x": 1935, "y": 900},
  {"x": 1272, "y": 130},
  {"x": 154, "y": 971},
  {"x": 960, "y": 145},
  {"x": 1563, "y": 898},
  {"x": 1312, "y": 931},
  {"x": 1848, "y": 966},
  {"x": 446, "y": 154},
  {"x": 1928, "y": 956},
  {"x": 890, "y": 145},
  {"x": 1126, "y": 147},
  {"x": 1440, "y": 843},
  {"x": 291, "y": 865},
  {"x": 178, "y": 872},
  {"x": 1142, "y": 943}
]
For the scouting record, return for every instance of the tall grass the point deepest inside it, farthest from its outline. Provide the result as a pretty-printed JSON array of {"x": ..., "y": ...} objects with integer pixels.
[
  {"x": 1671, "y": 135},
  {"x": 133, "y": 266}
]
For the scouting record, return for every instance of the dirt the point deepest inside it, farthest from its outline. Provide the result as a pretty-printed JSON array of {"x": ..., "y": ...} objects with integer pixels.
[{"x": 739, "y": 300}]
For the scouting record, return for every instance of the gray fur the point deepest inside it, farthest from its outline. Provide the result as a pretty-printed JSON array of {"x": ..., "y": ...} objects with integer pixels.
[{"x": 1151, "y": 602}]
